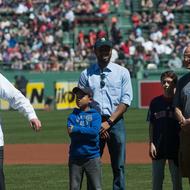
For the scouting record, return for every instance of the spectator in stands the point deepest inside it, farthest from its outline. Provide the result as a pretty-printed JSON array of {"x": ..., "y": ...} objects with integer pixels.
[
  {"x": 173, "y": 30},
  {"x": 154, "y": 58},
  {"x": 114, "y": 55},
  {"x": 101, "y": 33},
  {"x": 32, "y": 37},
  {"x": 187, "y": 3},
  {"x": 180, "y": 3},
  {"x": 128, "y": 4},
  {"x": 115, "y": 33},
  {"x": 104, "y": 9},
  {"x": 81, "y": 39},
  {"x": 138, "y": 36},
  {"x": 128, "y": 45},
  {"x": 181, "y": 30},
  {"x": 91, "y": 57},
  {"x": 180, "y": 43},
  {"x": 162, "y": 48},
  {"x": 156, "y": 17},
  {"x": 21, "y": 83},
  {"x": 136, "y": 19},
  {"x": 148, "y": 45},
  {"x": 89, "y": 8},
  {"x": 22, "y": 8},
  {"x": 17, "y": 64},
  {"x": 69, "y": 19},
  {"x": 84, "y": 7},
  {"x": 168, "y": 14},
  {"x": 54, "y": 64},
  {"x": 162, "y": 4},
  {"x": 155, "y": 33},
  {"x": 145, "y": 19},
  {"x": 69, "y": 65},
  {"x": 140, "y": 53},
  {"x": 139, "y": 60},
  {"x": 166, "y": 40},
  {"x": 165, "y": 31},
  {"x": 116, "y": 4},
  {"x": 77, "y": 61},
  {"x": 125, "y": 47},
  {"x": 146, "y": 3},
  {"x": 92, "y": 37},
  {"x": 175, "y": 62}
]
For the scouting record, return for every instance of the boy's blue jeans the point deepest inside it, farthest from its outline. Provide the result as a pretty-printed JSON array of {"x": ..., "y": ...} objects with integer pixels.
[
  {"x": 117, "y": 150},
  {"x": 158, "y": 174},
  {"x": 92, "y": 169}
]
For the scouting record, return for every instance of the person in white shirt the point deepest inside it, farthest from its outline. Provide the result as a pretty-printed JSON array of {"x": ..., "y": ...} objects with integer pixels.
[
  {"x": 174, "y": 62},
  {"x": 17, "y": 101}
]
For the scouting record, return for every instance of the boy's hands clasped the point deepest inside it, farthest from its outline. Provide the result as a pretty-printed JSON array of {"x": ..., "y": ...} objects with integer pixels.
[{"x": 104, "y": 130}]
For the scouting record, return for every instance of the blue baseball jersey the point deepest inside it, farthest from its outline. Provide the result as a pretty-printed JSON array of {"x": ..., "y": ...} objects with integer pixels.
[
  {"x": 165, "y": 127},
  {"x": 85, "y": 137}
]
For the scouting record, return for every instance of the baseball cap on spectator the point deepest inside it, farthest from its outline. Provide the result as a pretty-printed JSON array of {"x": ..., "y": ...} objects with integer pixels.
[
  {"x": 85, "y": 90},
  {"x": 103, "y": 42}
]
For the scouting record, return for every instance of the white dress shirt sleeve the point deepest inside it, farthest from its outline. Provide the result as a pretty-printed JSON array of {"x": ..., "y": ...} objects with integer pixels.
[
  {"x": 16, "y": 99},
  {"x": 127, "y": 92}
]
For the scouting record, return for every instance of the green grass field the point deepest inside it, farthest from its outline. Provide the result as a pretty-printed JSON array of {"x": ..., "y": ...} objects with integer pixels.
[
  {"x": 55, "y": 177},
  {"x": 54, "y": 127}
]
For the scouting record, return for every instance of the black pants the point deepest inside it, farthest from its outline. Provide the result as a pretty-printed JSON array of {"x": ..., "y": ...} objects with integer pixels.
[{"x": 2, "y": 178}]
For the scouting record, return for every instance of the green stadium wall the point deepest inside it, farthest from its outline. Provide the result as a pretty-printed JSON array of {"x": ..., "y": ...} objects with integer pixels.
[{"x": 143, "y": 89}]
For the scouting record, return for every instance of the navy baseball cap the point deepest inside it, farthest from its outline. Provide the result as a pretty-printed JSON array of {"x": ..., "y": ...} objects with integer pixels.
[
  {"x": 103, "y": 42},
  {"x": 85, "y": 90}
]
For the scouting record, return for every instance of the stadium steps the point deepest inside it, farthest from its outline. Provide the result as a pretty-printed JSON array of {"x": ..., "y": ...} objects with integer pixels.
[
  {"x": 68, "y": 38},
  {"x": 136, "y": 5},
  {"x": 125, "y": 24}
]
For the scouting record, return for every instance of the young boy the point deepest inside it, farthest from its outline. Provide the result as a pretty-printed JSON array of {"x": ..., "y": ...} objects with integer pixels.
[
  {"x": 164, "y": 134},
  {"x": 83, "y": 127}
]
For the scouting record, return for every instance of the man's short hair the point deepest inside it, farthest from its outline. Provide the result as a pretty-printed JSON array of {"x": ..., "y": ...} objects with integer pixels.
[{"x": 170, "y": 74}]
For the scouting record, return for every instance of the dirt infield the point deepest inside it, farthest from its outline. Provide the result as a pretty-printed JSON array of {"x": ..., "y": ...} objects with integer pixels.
[{"x": 137, "y": 153}]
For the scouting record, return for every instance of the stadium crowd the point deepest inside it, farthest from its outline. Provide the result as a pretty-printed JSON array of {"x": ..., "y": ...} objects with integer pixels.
[{"x": 32, "y": 34}]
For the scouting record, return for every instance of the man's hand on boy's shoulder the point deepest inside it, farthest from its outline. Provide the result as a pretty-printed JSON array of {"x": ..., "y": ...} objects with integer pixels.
[{"x": 69, "y": 129}]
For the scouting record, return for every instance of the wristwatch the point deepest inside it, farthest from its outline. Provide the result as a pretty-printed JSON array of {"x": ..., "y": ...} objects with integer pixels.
[{"x": 110, "y": 122}]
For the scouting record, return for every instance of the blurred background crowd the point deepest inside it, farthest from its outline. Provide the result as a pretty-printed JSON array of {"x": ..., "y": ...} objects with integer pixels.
[{"x": 54, "y": 35}]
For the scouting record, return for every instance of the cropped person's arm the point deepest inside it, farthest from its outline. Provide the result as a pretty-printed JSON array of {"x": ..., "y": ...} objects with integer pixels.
[
  {"x": 182, "y": 120},
  {"x": 179, "y": 115},
  {"x": 152, "y": 148},
  {"x": 19, "y": 102}
]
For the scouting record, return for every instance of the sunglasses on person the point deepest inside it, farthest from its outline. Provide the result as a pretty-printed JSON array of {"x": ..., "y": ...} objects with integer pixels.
[{"x": 102, "y": 78}]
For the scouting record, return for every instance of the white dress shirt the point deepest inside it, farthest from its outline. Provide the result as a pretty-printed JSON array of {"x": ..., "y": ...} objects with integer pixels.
[
  {"x": 117, "y": 87},
  {"x": 16, "y": 100}
]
